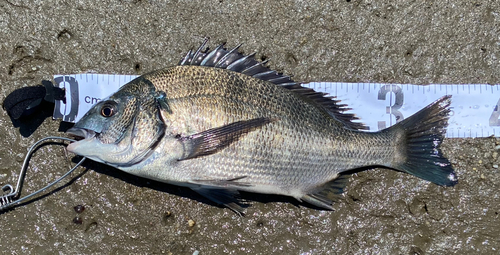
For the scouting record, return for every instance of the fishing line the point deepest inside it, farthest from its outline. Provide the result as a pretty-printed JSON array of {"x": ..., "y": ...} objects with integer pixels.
[{"x": 9, "y": 200}]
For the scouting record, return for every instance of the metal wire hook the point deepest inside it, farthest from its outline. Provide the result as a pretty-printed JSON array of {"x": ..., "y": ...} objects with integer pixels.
[{"x": 9, "y": 200}]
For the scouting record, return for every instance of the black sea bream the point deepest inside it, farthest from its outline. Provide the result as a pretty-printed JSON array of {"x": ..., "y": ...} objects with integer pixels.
[{"x": 220, "y": 122}]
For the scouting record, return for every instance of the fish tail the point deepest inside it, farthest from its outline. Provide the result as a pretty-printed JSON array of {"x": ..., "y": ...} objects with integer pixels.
[{"x": 420, "y": 137}]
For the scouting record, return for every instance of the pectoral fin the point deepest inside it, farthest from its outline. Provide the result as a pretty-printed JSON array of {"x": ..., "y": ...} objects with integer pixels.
[{"x": 213, "y": 140}]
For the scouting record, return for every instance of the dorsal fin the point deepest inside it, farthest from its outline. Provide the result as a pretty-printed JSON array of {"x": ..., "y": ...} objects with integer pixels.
[
  {"x": 332, "y": 106},
  {"x": 233, "y": 60}
]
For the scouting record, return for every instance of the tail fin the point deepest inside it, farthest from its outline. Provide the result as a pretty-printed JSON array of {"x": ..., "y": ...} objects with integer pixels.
[{"x": 422, "y": 134}]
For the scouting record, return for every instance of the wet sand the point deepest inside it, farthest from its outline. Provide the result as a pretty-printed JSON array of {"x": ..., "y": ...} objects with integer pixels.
[{"x": 383, "y": 212}]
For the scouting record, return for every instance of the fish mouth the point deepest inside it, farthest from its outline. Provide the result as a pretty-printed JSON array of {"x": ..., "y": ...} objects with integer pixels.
[
  {"x": 81, "y": 133},
  {"x": 83, "y": 137}
]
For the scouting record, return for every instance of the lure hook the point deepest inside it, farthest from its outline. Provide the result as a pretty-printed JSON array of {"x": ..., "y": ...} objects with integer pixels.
[{"x": 9, "y": 199}]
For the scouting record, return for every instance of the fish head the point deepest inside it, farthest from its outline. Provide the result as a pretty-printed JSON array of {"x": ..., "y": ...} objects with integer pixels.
[{"x": 123, "y": 129}]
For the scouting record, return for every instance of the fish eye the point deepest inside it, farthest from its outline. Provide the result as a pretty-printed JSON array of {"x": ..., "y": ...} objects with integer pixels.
[{"x": 108, "y": 109}]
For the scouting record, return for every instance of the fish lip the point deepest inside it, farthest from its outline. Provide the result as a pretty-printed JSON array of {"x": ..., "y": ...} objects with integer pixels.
[{"x": 81, "y": 133}]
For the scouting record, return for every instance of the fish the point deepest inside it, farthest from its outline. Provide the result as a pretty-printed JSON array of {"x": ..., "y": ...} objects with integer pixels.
[{"x": 221, "y": 122}]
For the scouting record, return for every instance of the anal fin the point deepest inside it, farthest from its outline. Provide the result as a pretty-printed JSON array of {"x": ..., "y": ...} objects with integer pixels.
[{"x": 323, "y": 196}]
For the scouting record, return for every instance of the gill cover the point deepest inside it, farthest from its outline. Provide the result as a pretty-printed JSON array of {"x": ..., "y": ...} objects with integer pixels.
[{"x": 123, "y": 129}]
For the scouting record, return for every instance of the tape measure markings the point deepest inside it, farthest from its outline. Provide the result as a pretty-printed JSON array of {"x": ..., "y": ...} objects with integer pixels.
[{"x": 475, "y": 107}]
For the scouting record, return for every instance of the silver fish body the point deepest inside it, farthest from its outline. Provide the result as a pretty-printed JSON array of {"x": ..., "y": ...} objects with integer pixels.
[{"x": 208, "y": 126}]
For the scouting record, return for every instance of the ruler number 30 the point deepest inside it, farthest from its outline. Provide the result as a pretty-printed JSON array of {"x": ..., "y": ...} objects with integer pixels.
[{"x": 398, "y": 103}]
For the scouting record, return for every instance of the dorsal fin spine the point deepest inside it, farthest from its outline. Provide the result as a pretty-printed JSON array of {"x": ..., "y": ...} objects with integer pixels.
[
  {"x": 186, "y": 58},
  {"x": 209, "y": 56},
  {"x": 195, "y": 56},
  {"x": 248, "y": 70},
  {"x": 223, "y": 59},
  {"x": 259, "y": 75},
  {"x": 239, "y": 62}
]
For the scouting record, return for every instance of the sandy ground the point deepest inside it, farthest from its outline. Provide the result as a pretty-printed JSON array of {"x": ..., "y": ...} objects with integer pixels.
[{"x": 383, "y": 212}]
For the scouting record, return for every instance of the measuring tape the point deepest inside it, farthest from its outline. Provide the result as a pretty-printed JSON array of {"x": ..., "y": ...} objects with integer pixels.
[{"x": 475, "y": 108}]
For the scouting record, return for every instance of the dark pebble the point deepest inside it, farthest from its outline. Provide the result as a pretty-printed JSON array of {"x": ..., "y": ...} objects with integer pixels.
[
  {"x": 79, "y": 208},
  {"x": 77, "y": 220}
]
